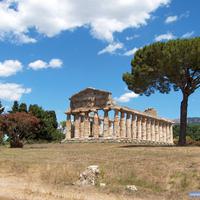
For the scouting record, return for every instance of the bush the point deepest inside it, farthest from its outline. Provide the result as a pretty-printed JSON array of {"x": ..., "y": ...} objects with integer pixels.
[
  {"x": 57, "y": 135},
  {"x": 193, "y": 134},
  {"x": 1, "y": 139},
  {"x": 193, "y": 131}
]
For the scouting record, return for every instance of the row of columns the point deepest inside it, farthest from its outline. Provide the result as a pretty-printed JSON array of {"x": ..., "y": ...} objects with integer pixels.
[{"x": 133, "y": 126}]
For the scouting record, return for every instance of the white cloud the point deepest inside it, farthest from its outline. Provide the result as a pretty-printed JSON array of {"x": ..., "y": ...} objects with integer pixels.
[
  {"x": 50, "y": 17},
  {"x": 22, "y": 38},
  {"x": 185, "y": 15},
  {"x": 167, "y": 36},
  {"x": 111, "y": 48},
  {"x": 40, "y": 64},
  {"x": 12, "y": 91},
  {"x": 174, "y": 18},
  {"x": 128, "y": 38},
  {"x": 55, "y": 63},
  {"x": 126, "y": 97},
  {"x": 188, "y": 34},
  {"x": 10, "y": 67},
  {"x": 17, "y": 38},
  {"x": 131, "y": 52},
  {"x": 171, "y": 19}
]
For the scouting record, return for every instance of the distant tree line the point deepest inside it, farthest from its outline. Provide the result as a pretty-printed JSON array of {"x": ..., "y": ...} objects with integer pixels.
[
  {"x": 193, "y": 133},
  {"x": 28, "y": 124}
]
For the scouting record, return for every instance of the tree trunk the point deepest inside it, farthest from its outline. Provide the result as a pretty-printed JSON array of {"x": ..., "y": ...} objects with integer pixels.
[
  {"x": 183, "y": 120},
  {"x": 15, "y": 142}
]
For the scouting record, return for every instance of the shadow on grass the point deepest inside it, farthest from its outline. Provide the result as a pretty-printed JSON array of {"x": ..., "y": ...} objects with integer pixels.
[{"x": 154, "y": 146}]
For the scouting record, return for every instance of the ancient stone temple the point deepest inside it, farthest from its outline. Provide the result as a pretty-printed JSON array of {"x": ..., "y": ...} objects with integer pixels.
[{"x": 94, "y": 116}]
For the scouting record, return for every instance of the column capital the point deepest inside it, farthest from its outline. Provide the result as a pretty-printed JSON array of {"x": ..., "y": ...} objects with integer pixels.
[
  {"x": 133, "y": 115},
  {"x": 128, "y": 115},
  {"x": 144, "y": 119}
]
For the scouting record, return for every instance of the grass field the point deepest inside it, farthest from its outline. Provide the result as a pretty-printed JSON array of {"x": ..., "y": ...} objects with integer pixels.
[{"x": 48, "y": 171}]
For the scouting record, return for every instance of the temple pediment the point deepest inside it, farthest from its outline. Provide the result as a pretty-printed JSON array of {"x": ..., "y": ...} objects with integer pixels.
[{"x": 90, "y": 98}]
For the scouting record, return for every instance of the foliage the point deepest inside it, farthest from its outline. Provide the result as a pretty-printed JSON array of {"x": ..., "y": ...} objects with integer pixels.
[
  {"x": 166, "y": 66},
  {"x": 19, "y": 126},
  {"x": 48, "y": 122},
  {"x": 1, "y": 137},
  {"x": 58, "y": 136},
  {"x": 47, "y": 128},
  {"x": 1, "y": 108},
  {"x": 15, "y": 107},
  {"x": 63, "y": 124},
  {"x": 193, "y": 131},
  {"x": 22, "y": 107}
]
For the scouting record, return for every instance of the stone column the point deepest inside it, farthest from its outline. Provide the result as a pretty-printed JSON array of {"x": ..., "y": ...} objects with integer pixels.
[
  {"x": 149, "y": 129},
  {"x": 153, "y": 135},
  {"x": 82, "y": 127},
  {"x": 157, "y": 131},
  {"x": 68, "y": 127},
  {"x": 144, "y": 128},
  {"x": 86, "y": 125},
  {"x": 164, "y": 132},
  {"x": 116, "y": 124},
  {"x": 122, "y": 125},
  {"x": 96, "y": 127},
  {"x": 139, "y": 127},
  {"x": 167, "y": 133},
  {"x": 76, "y": 126},
  {"x": 133, "y": 127},
  {"x": 106, "y": 124},
  {"x": 160, "y": 131},
  {"x": 128, "y": 125},
  {"x": 171, "y": 134}
]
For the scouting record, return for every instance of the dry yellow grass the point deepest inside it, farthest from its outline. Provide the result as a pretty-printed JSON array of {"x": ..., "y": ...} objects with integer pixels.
[{"x": 47, "y": 171}]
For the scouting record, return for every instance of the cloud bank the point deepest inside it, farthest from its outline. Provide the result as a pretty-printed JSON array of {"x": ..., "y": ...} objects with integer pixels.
[{"x": 51, "y": 17}]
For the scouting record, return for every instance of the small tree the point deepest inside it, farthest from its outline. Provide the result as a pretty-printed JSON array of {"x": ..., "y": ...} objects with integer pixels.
[
  {"x": 19, "y": 127},
  {"x": 163, "y": 66},
  {"x": 22, "y": 107}
]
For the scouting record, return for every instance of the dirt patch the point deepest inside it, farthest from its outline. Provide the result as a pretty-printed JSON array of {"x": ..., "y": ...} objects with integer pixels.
[{"x": 13, "y": 188}]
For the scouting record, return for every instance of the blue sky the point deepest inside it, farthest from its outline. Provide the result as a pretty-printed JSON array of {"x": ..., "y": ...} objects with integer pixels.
[{"x": 51, "y": 50}]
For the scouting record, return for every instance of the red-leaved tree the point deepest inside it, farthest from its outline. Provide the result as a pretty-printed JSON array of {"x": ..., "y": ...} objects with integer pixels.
[{"x": 19, "y": 126}]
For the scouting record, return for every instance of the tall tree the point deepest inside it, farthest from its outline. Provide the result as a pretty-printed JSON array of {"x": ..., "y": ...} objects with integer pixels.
[
  {"x": 15, "y": 107},
  {"x": 165, "y": 66},
  {"x": 48, "y": 122}
]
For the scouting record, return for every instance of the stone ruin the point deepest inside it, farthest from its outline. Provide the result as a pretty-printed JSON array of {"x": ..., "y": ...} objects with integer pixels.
[{"x": 85, "y": 123}]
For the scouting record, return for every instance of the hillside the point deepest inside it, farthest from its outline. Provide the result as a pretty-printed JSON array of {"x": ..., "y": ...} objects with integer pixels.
[{"x": 191, "y": 120}]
